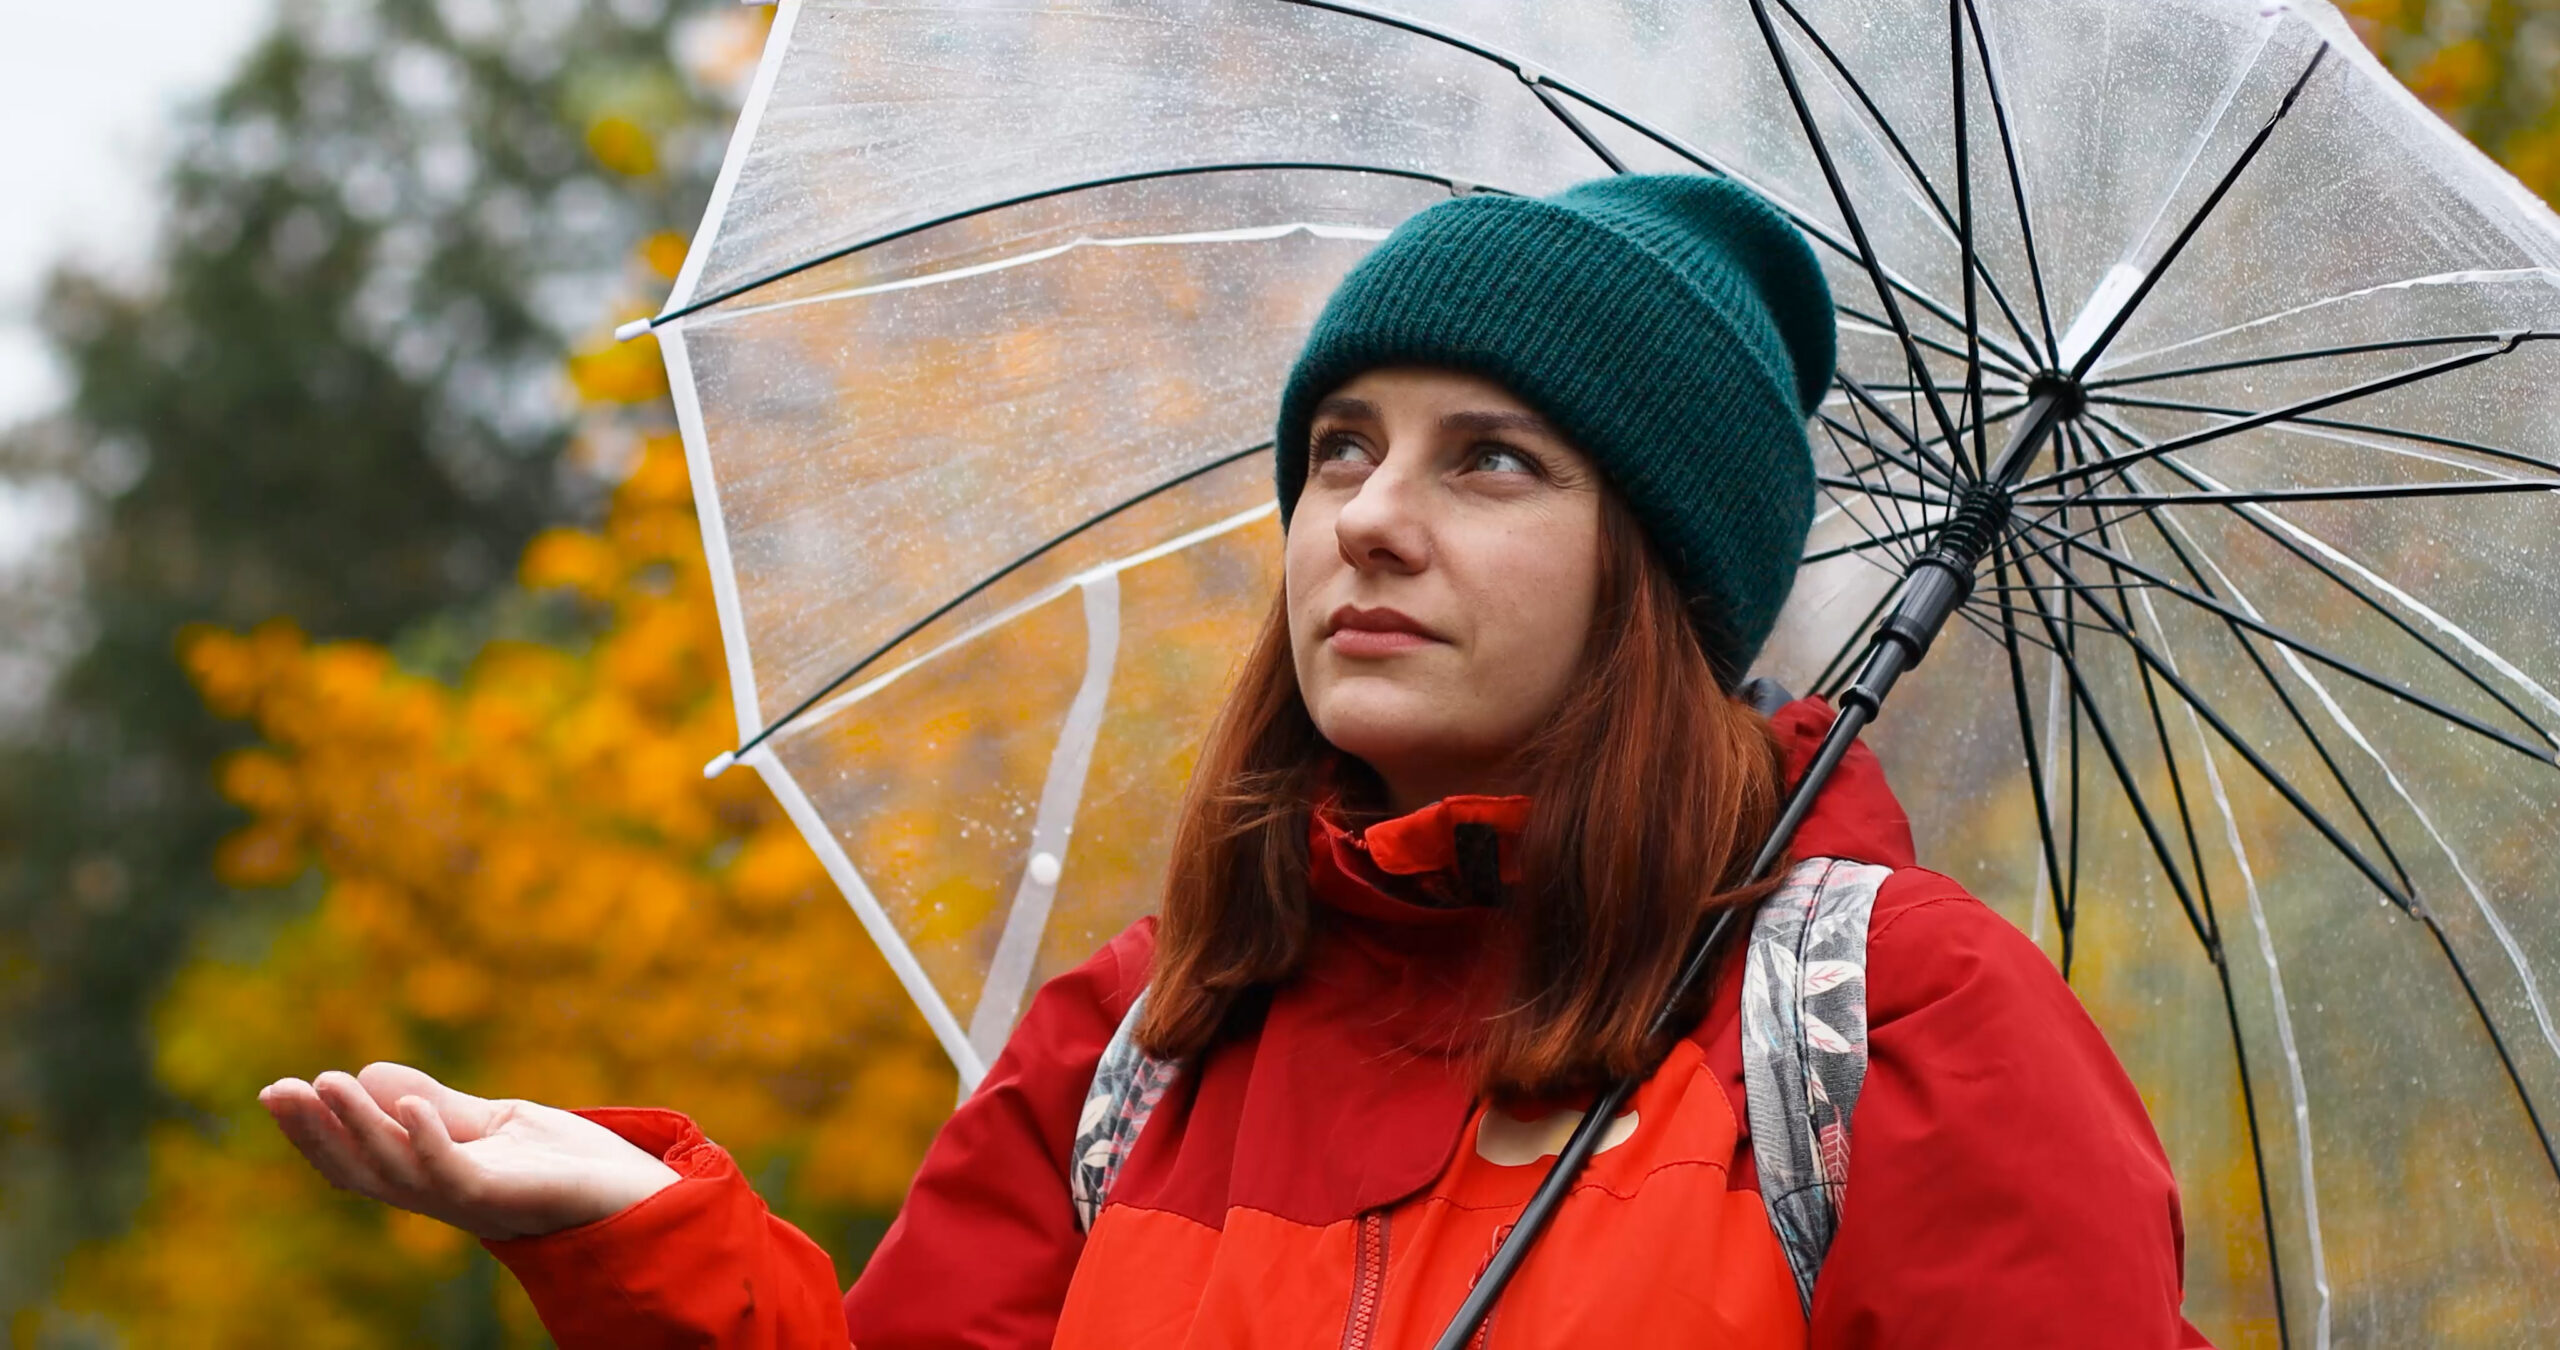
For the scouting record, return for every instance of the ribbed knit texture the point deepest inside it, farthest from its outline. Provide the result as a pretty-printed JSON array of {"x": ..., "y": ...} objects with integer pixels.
[{"x": 1674, "y": 327}]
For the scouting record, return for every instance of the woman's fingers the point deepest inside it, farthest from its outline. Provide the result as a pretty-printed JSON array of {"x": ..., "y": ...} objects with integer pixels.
[
  {"x": 382, "y": 1141},
  {"x": 315, "y": 1130},
  {"x": 464, "y": 1116}
]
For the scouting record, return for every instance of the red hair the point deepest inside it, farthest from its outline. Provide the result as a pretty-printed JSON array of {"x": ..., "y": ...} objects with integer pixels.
[{"x": 1651, "y": 789}]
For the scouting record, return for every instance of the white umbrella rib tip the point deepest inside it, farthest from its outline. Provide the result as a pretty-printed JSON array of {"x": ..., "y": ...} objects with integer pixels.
[
  {"x": 633, "y": 329},
  {"x": 720, "y": 764}
]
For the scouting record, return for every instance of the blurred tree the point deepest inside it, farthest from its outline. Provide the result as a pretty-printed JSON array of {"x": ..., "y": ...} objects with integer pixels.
[
  {"x": 531, "y": 890},
  {"x": 337, "y": 396},
  {"x": 2491, "y": 67}
]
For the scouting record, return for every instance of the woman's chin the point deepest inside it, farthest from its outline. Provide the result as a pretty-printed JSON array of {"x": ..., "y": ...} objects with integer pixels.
[{"x": 1396, "y": 746}]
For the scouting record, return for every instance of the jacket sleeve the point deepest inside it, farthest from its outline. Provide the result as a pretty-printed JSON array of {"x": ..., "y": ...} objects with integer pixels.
[
  {"x": 700, "y": 1263},
  {"x": 979, "y": 1255},
  {"x": 2005, "y": 1184}
]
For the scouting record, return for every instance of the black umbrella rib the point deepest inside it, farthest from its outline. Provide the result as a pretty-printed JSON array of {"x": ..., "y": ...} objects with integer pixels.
[
  {"x": 785, "y": 273},
  {"x": 1857, "y": 225},
  {"x": 2065, "y": 905},
  {"x": 2480, "y": 448},
  {"x": 1881, "y": 453},
  {"x": 2084, "y": 588},
  {"x": 979, "y": 586},
  {"x": 2469, "y": 487},
  {"x": 1981, "y": 620},
  {"x": 2215, "y": 951},
  {"x": 2151, "y": 695},
  {"x": 1873, "y": 542},
  {"x": 1911, "y": 163},
  {"x": 1876, "y": 461},
  {"x": 2160, "y": 266},
  {"x": 1964, "y": 234},
  {"x": 2027, "y": 733},
  {"x": 1813, "y": 229},
  {"x": 2083, "y": 592},
  {"x": 2000, "y": 359},
  {"x": 1902, "y": 494},
  {"x": 1881, "y": 461},
  {"x": 2324, "y": 568},
  {"x": 2017, "y": 180},
  {"x": 2257, "y": 1150},
  {"x": 1939, "y": 345},
  {"x": 2273, "y": 633},
  {"x": 2290, "y": 412},
  {"x": 2319, "y": 744},
  {"x": 1574, "y": 124},
  {"x": 2266, "y": 772},
  {"x": 1942, "y": 387},
  {"x": 1865, "y": 398},
  {"x": 2307, "y": 354},
  {"x": 1989, "y": 628},
  {"x": 2506, "y": 1059},
  {"x": 1831, "y": 490},
  {"x": 2087, "y": 700}
]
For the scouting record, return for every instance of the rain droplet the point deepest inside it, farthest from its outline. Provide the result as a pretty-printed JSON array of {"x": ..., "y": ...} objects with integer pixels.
[{"x": 1045, "y": 869}]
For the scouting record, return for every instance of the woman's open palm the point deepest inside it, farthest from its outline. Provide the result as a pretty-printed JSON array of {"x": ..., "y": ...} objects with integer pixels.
[{"x": 496, "y": 1169}]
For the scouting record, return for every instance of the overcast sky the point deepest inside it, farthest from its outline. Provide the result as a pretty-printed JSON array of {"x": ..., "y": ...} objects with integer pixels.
[{"x": 86, "y": 90}]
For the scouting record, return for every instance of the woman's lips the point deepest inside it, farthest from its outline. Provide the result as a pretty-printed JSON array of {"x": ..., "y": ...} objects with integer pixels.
[
  {"x": 1375, "y": 632},
  {"x": 1375, "y": 641}
]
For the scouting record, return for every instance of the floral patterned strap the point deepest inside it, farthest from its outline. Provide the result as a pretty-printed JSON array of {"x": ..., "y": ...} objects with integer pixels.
[
  {"x": 1127, "y": 1085},
  {"x": 1804, "y": 1048}
]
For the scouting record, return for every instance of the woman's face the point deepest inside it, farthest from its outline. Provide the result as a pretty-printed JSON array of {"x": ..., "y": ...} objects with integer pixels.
[{"x": 1442, "y": 568}]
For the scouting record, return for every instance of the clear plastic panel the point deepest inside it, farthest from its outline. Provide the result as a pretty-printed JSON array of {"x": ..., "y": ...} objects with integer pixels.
[
  {"x": 929, "y": 788},
  {"x": 879, "y": 444},
  {"x": 1188, "y": 620},
  {"x": 916, "y": 111}
]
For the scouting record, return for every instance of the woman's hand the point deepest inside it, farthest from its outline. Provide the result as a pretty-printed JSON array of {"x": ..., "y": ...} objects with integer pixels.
[{"x": 496, "y": 1169}]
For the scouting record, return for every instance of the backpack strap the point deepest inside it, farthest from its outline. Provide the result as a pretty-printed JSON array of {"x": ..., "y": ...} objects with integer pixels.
[
  {"x": 1127, "y": 1084},
  {"x": 1804, "y": 1049}
]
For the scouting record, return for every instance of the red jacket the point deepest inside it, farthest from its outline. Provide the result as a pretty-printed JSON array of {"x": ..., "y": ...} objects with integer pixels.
[{"x": 1327, "y": 1177}]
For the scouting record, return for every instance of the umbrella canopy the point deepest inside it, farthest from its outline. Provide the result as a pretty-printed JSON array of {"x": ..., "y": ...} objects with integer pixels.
[{"x": 2249, "y": 716}]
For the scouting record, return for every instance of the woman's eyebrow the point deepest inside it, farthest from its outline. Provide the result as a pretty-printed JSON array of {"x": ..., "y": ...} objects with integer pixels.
[
  {"x": 1479, "y": 423},
  {"x": 1345, "y": 407}
]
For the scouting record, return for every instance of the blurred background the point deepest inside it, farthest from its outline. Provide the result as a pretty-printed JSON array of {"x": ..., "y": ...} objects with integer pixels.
[{"x": 357, "y": 661}]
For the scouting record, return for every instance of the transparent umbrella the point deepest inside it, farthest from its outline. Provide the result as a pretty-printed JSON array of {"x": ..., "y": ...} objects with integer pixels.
[{"x": 2206, "y": 381}]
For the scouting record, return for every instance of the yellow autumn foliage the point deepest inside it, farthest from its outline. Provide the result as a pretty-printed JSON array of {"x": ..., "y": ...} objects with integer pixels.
[{"x": 523, "y": 883}]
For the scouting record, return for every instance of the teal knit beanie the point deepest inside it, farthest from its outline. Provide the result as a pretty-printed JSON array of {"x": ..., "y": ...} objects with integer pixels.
[{"x": 1674, "y": 327}]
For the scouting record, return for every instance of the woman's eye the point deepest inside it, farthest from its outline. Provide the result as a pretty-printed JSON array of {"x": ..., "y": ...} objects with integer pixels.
[
  {"x": 1503, "y": 459},
  {"x": 1341, "y": 449}
]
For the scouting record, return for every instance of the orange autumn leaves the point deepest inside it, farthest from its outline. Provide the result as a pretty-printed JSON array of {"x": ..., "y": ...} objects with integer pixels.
[{"x": 520, "y": 881}]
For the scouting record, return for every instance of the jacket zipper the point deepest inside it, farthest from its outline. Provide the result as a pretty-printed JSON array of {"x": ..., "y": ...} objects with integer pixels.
[
  {"x": 1368, "y": 1281},
  {"x": 1484, "y": 1329}
]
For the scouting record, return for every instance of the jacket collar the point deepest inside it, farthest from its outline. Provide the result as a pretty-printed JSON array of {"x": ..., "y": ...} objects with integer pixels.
[{"x": 1413, "y": 868}]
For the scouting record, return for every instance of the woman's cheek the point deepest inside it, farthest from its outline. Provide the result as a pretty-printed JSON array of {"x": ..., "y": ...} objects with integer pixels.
[{"x": 1552, "y": 595}]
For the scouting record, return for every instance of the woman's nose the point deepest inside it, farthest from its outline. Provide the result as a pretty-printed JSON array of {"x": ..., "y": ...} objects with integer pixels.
[{"x": 1382, "y": 527}]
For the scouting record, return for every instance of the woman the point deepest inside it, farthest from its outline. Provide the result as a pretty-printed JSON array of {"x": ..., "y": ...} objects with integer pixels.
[{"x": 1481, "y": 781}]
